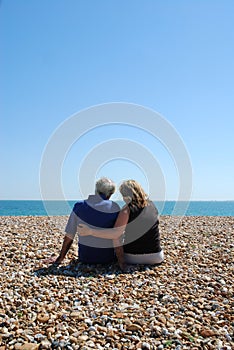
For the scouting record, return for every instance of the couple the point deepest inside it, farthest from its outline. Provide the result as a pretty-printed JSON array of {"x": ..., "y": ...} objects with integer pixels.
[{"x": 106, "y": 232}]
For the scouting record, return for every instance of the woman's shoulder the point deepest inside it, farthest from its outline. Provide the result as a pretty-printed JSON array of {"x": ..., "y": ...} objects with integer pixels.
[
  {"x": 152, "y": 207},
  {"x": 123, "y": 217},
  {"x": 125, "y": 209}
]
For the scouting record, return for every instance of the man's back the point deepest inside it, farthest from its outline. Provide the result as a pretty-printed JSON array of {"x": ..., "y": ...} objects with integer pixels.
[{"x": 97, "y": 212}]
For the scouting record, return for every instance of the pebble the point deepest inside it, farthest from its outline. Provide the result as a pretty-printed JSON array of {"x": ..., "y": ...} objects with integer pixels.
[
  {"x": 185, "y": 303},
  {"x": 45, "y": 344},
  {"x": 28, "y": 346},
  {"x": 134, "y": 327}
]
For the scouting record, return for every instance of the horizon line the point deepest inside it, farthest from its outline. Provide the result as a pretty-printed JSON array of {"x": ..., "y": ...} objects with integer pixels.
[{"x": 121, "y": 200}]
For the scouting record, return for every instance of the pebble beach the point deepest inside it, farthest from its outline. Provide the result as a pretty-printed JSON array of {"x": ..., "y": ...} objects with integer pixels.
[{"x": 187, "y": 302}]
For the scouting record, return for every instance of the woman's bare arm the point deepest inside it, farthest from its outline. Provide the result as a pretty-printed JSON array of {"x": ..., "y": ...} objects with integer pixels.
[
  {"x": 114, "y": 233},
  {"x": 109, "y": 233}
]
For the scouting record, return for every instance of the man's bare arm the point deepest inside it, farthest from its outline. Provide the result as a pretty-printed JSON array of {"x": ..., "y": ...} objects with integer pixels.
[{"x": 67, "y": 242}]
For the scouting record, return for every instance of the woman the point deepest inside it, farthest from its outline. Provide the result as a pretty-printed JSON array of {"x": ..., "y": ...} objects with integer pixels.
[{"x": 138, "y": 221}]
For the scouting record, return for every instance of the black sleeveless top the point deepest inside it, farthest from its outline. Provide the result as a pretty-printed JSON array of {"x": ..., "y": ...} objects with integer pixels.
[{"x": 142, "y": 233}]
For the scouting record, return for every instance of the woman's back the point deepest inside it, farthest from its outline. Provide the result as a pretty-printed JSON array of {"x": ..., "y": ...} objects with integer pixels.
[{"x": 142, "y": 233}]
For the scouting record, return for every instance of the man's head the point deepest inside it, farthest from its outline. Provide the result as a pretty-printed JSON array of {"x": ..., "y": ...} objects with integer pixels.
[{"x": 105, "y": 186}]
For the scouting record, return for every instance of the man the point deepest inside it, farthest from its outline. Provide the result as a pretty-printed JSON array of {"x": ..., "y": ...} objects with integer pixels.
[{"x": 98, "y": 211}]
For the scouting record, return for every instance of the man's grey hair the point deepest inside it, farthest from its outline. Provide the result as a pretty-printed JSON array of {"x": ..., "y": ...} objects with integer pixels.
[{"x": 105, "y": 186}]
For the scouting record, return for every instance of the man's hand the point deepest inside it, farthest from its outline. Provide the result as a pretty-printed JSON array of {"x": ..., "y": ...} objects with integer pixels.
[
  {"x": 67, "y": 242},
  {"x": 84, "y": 230},
  {"x": 52, "y": 260}
]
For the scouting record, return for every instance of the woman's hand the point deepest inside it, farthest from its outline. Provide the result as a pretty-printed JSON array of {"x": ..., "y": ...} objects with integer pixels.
[{"x": 84, "y": 230}]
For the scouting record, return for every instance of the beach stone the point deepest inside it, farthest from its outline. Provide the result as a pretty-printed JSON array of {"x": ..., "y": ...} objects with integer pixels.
[
  {"x": 50, "y": 330},
  {"x": 205, "y": 333},
  {"x": 88, "y": 322},
  {"x": 45, "y": 344},
  {"x": 55, "y": 344},
  {"x": 29, "y": 346},
  {"x": 77, "y": 314},
  {"x": 178, "y": 347},
  {"x": 134, "y": 327},
  {"x": 162, "y": 319},
  {"x": 82, "y": 338},
  {"x": 92, "y": 329},
  {"x": 17, "y": 345},
  {"x": 39, "y": 336},
  {"x": 43, "y": 317},
  {"x": 73, "y": 339}
]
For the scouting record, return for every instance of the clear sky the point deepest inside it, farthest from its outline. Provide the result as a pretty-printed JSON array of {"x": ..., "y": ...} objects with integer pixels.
[{"x": 59, "y": 57}]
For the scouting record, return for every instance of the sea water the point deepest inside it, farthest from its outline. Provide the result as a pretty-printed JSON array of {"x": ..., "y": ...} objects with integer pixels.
[{"x": 41, "y": 208}]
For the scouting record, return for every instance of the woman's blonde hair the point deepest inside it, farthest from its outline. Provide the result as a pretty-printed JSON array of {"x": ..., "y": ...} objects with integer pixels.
[{"x": 134, "y": 193}]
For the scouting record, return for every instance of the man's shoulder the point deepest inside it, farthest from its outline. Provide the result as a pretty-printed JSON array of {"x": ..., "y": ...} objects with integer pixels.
[
  {"x": 77, "y": 205},
  {"x": 107, "y": 205},
  {"x": 115, "y": 205},
  {"x": 110, "y": 207}
]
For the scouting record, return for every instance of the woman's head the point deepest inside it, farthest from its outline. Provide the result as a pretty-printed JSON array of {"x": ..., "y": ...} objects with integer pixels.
[{"x": 133, "y": 193}]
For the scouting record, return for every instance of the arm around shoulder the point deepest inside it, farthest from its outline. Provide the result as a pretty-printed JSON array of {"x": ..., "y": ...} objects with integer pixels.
[{"x": 108, "y": 233}]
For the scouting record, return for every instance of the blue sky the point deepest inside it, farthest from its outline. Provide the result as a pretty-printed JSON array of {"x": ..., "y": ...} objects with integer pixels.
[{"x": 60, "y": 57}]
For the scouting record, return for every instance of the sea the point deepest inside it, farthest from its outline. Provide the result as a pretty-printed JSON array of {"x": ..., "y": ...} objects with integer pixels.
[{"x": 58, "y": 208}]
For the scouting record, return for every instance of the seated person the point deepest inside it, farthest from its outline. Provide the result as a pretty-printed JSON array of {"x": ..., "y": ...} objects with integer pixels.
[
  {"x": 98, "y": 211},
  {"x": 138, "y": 222}
]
